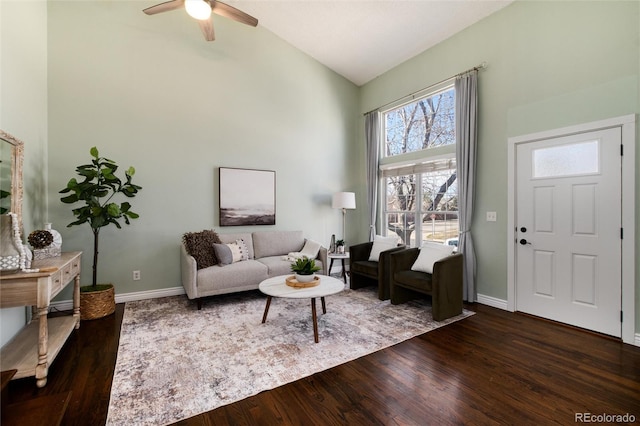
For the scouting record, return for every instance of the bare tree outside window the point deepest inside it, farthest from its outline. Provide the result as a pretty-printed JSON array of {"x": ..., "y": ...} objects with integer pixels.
[{"x": 425, "y": 201}]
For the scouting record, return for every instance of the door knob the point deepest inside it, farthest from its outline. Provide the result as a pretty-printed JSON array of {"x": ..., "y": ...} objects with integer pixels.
[
  {"x": 524, "y": 242},
  {"x": 523, "y": 229}
]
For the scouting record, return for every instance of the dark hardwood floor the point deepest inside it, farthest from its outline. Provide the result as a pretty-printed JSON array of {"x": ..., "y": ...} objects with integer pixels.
[{"x": 495, "y": 367}]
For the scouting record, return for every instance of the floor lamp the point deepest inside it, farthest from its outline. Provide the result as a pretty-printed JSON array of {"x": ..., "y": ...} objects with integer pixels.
[{"x": 344, "y": 201}]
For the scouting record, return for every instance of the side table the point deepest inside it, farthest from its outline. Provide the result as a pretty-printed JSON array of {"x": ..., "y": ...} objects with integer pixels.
[
  {"x": 342, "y": 257},
  {"x": 35, "y": 347}
]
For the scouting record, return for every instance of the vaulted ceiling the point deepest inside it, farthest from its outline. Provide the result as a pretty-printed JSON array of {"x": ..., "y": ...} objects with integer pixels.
[{"x": 361, "y": 39}]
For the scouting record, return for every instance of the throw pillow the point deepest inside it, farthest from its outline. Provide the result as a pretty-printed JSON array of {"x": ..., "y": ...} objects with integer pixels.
[
  {"x": 310, "y": 249},
  {"x": 381, "y": 244},
  {"x": 199, "y": 245},
  {"x": 244, "y": 250},
  {"x": 227, "y": 253},
  {"x": 430, "y": 253}
]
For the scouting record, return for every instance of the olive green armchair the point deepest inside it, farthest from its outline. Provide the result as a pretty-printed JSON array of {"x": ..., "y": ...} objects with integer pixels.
[{"x": 444, "y": 284}]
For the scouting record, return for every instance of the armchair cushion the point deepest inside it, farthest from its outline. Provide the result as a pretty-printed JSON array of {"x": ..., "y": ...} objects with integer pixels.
[
  {"x": 365, "y": 267},
  {"x": 365, "y": 272},
  {"x": 430, "y": 253},
  {"x": 381, "y": 244},
  {"x": 414, "y": 280}
]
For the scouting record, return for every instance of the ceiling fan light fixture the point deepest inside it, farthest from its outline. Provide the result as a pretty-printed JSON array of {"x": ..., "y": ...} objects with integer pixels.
[{"x": 198, "y": 9}]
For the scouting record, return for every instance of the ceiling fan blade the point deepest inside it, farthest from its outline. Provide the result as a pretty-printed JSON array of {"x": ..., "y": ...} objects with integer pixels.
[
  {"x": 164, "y": 7},
  {"x": 207, "y": 29},
  {"x": 231, "y": 12}
]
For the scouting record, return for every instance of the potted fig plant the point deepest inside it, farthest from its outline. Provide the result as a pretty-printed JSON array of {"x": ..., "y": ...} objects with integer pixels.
[
  {"x": 304, "y": 268},
  {"x": 96, "y": 190}
]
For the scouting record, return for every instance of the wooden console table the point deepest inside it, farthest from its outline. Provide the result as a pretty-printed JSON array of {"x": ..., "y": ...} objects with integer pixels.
[{"x": 37, "y": 344}]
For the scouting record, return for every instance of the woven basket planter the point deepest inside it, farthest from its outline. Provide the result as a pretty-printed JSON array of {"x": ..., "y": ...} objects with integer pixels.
[{"x": 97, "y": 304}]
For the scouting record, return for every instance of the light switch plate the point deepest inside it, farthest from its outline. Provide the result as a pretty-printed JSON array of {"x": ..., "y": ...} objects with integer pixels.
[{"x": 492, "y": 216}]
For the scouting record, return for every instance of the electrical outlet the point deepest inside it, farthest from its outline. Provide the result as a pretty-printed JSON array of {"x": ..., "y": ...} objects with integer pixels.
[
  {"x": 492, "y": 216},
  {"x": 136, "y": 275}
]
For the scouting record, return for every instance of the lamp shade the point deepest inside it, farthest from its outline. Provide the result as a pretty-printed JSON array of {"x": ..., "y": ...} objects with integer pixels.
[{"x": 344, "y": 200}]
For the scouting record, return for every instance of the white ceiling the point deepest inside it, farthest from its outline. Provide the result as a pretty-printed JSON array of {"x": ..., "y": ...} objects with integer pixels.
[{"x": 361, "y": 39}]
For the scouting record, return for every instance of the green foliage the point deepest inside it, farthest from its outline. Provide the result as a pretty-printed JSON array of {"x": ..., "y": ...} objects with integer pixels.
[
  {"x": 95, "y": 190},
  {"x": 340, "y": 243},
  {"x": 304, "y": 266},
  {"x": 98, "y": 186}
]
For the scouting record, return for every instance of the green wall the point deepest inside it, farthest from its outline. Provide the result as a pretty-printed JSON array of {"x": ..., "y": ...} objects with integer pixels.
[
  {"x": 23, "y": 112},
  {"x": 149, "y": 91},
  {"x": 550, "y": 65}
]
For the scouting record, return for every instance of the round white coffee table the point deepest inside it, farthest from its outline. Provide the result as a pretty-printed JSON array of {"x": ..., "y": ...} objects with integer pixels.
[{"x": 276, "y": 287}]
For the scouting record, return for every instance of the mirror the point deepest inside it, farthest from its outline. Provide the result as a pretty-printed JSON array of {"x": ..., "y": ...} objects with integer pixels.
[{"x": 11, "y": 160}]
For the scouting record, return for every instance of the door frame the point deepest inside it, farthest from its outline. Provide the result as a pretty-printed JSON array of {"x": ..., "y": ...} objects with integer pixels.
[{"x": 627, "y": 124}]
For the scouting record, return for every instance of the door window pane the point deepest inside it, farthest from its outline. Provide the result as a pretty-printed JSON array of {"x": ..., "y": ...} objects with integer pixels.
[{"x": 566, "y": 160}]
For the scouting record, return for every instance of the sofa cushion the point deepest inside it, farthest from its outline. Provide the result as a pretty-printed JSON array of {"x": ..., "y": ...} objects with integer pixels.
[
  {"x": 237, "y": 277},
  {"x": 200, "y": 246},
  {"x": 430, "y": 253},
  {"x": 276, "y": 266},
  {"x": 381, "y": 244},
  {"x": 274, "y": 243},
  {"x": 414, "y": 280},
  {"x": 232, "y": 237}
]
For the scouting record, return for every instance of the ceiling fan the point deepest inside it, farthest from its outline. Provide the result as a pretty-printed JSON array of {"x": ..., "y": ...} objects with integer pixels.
[{"x": 201, "y": 10}]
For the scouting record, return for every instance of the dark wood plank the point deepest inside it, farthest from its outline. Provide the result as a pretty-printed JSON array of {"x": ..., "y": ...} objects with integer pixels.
[
  {"x": 84, "y": 367},
  {"x": 45, "y": 410},
  {"x": 494, "y": 368}
]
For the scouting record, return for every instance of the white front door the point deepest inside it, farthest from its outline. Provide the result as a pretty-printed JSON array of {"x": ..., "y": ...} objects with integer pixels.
[{"x": 568, "y": 229}]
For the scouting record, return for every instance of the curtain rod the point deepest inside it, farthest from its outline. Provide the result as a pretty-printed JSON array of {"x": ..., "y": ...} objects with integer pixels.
[{"x": 483, "y": 65}]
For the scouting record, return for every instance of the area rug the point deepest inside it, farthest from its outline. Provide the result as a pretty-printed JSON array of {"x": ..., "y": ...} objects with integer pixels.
[{"x": 175, "y": 362}]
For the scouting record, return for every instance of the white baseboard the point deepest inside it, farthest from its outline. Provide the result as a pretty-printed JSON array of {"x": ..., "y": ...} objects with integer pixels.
[
  {"x": 65, "y": 305},
  {"x": 492, "y": 301}
]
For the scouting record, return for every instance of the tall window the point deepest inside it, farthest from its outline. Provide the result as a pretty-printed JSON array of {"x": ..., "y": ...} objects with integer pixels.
[{"x": 421, "y": 194}]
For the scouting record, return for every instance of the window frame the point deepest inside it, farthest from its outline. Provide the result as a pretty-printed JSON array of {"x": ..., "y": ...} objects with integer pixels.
[{"x": 418, "y": 160}]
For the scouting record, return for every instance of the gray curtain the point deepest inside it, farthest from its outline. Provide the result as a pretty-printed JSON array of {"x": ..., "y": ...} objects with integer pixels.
[
  {"x": 466, "y": 133},
  {"x": 372, "y": 135}
]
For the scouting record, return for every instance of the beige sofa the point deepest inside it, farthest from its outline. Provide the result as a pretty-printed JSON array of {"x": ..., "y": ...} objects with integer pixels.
[{"x": 265, "y": 260}]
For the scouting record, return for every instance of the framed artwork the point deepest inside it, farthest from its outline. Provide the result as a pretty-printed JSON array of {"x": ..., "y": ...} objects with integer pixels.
[{"x": 247, "y": 197}]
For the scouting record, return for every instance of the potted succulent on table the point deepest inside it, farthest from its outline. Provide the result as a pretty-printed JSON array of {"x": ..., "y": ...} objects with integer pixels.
[
  {"x": 96, "y": 190},
  {"x": 340, "y": 246},
  {"x": 304, "y": 268}
]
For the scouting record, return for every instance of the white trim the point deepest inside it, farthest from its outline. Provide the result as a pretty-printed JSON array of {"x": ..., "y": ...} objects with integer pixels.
[
  {"x": 492, "y": 301},
  {"x": 627, "y": 124},
  {"x": 637, "y": 340},
  {"x": 66, "y": 305}
]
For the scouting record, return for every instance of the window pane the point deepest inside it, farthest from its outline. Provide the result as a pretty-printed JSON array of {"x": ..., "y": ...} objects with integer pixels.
[
  {"x": 426, "y": 123},
  {"x": 401, "y": 193},
  {"x": 401, "y": 206},
  {"x": 440, "y": 191},
  {"x": 566, "y": 160},
  {"x": 440, "y": 228},
  {"x": 402, "y": 225}
]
